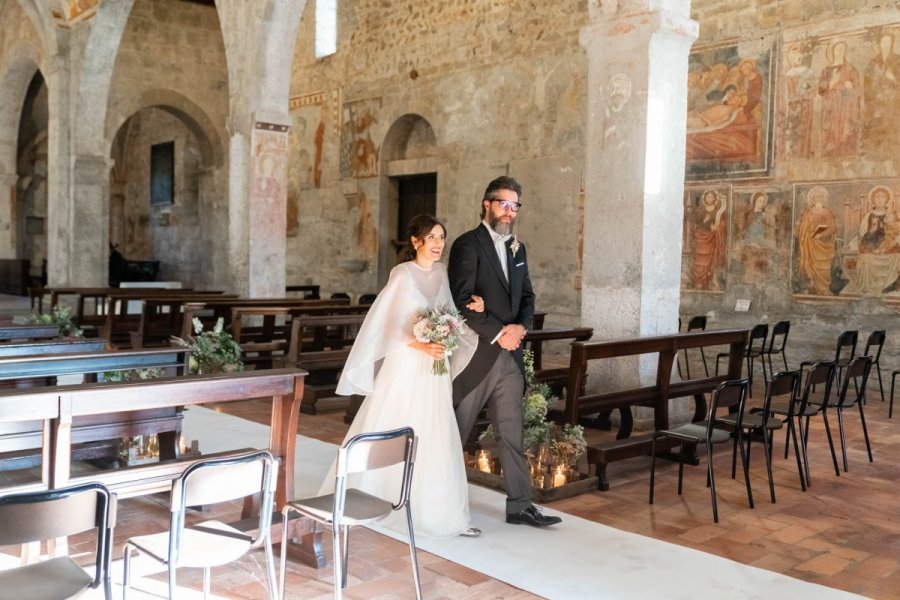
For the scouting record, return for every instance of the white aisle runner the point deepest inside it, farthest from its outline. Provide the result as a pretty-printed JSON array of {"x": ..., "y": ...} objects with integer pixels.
[{"x": 574, "y": 560}]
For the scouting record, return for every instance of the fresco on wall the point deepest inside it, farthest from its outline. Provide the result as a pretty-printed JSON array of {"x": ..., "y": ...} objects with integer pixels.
[
  {"x": 705, "y": 239},
  {"x": 760, "y": 218},
  {"x": 359, "y": 155},
  {"x": 839, "y": 105},
  {"x": 729, "y": 111},
  {"x": 69, "y": 12},
  {"x": 847, "y": 239}
]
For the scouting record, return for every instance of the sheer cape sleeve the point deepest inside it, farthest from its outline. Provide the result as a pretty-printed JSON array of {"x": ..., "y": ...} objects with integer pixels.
[{"x": 388, "y": 326}]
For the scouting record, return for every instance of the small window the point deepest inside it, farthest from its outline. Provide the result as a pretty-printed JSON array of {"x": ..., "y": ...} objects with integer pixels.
[
  {"x": 162, "y": 173},
  {"x": 326, "y": 27}
]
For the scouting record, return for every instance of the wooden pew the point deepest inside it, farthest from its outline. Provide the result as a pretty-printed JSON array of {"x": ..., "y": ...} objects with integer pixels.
[
  {"x": 98, "y": 436},
  {"x": 580, "y": 404},
  {"x": 323, "y": 364},
  {"x": 555, "y": 377},
  {"x": 119, "y": 323},
  {"x": 209, "y": 311},
  {"x": 28, "y": 333},
  {"x": 283, "y": 386},
  {"x": 51, "y": 347}
]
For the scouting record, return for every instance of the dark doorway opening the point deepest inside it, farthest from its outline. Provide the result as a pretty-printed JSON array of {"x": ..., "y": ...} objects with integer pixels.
[{"x": 416, "y": 195}]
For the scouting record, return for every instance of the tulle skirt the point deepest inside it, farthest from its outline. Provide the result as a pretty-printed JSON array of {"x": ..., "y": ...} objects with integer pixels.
[{"x": 408, "y": 394}]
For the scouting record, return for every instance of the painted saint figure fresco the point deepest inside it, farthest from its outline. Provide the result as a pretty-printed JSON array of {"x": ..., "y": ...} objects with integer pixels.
[
  {"x": 882, "y": 101},
  {"x": 878, "y": 258},
  {"x": 815, "y": 238},
  {"x": 800, "y": 91},
  {"x": 708, "y": 233},
  {"x": 839, "y": 87}
]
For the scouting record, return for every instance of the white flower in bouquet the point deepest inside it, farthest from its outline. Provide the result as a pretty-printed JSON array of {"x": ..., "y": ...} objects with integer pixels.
[{"x": 442, "y": 325}]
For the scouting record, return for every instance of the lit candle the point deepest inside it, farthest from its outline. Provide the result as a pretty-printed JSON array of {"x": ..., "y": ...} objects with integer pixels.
[
  {"x": 484, "y": 462},
  {"x": 559, "y": 478}
]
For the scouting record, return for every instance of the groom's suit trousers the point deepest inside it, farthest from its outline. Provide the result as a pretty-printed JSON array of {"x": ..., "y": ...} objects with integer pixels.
[{"x": 502, "y": 389}]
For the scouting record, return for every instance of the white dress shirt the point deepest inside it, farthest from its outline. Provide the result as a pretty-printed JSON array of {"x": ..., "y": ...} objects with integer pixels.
[{"x": 500, "y": 246}]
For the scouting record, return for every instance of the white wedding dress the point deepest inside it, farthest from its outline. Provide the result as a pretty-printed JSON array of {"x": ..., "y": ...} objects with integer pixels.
[{"x": 401, "y": 390}]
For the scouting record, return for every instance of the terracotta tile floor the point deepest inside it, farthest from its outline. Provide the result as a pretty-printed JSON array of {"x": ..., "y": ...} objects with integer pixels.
[{"x": 843, "y": 533}]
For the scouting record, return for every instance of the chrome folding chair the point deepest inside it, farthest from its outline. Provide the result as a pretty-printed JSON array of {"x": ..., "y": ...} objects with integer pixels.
[
  {"x": 349, "y": 506},
  {"x": 47, "y": 515},
  {"x": 212, "y": 543}
]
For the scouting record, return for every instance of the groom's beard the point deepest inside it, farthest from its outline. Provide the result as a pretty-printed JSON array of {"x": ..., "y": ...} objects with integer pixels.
[{"x": 501, "y": 228}]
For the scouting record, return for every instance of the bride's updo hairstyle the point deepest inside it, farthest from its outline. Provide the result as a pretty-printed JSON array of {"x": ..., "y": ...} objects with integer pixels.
[{"x": 419, "y": 227}]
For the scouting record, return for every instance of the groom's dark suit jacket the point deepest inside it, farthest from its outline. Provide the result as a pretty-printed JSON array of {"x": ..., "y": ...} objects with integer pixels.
[{"x": 475, "y": 269}]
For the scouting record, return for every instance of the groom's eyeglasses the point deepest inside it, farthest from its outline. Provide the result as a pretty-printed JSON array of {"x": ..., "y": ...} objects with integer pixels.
[{"x": 508, "y": 204}]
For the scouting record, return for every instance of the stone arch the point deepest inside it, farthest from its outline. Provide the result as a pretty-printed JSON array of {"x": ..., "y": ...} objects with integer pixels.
[
  {"x": 23, "y": 63},
  {"x": 409, "y": 148},
  {"x": 15, "y": 77},
  {"x": 212, "y": 149}
]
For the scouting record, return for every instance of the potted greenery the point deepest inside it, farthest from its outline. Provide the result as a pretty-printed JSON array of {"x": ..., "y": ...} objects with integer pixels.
[
  {"x": 544, "y": 440},
  {"x": 212, "y": 351},
  {"x": 60, "y": 316}
]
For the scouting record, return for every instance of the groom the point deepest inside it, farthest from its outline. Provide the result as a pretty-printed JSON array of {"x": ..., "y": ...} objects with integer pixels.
[{"x": 488, "y": 263}]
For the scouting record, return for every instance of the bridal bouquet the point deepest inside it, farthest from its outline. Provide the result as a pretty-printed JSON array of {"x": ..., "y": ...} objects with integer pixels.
[{"x": 442, "y": 325}]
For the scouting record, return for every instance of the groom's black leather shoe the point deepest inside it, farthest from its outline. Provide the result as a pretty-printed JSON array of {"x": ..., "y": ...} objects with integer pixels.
[{"x": 531, "y": 516}]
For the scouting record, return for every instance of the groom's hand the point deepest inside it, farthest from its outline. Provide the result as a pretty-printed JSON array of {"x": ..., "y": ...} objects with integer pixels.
[{"x": 511, "y": 337}]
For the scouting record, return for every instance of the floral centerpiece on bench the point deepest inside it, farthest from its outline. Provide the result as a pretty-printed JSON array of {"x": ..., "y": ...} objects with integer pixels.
[
  {"x": 212, "y": 351},
  {"x": 60, "y": 316}
]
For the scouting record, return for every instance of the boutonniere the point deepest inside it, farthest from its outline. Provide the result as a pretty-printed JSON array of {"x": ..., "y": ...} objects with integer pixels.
[{"x": 514, "y": 245}]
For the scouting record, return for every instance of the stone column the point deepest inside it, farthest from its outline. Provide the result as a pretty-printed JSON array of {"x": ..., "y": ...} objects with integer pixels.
[
  {"x": 59, "y": 152},
  {"x": 89, "y": 243},
  {"x": 637, "y": 90},
  {"x": 8, "y": 215}
]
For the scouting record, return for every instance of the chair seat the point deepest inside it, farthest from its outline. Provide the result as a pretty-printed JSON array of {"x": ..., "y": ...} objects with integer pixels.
[
  {"x": 48, "y": 580},
  {"x": 214, "y": 543},
  {"x": 694, "y": 432},
  {"x": 359, "y": 507},
  {"x": 754, "y": 420}
]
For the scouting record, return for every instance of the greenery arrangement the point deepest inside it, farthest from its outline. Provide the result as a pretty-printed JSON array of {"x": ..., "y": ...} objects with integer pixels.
[
  {"x": 566, "y": 443},
  {"x": 60, "y": 316},
  {"x": 134, "y": 374},
  {"x": 212, "y": 351}
]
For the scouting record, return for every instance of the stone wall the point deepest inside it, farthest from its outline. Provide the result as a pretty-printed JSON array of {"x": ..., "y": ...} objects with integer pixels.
[
  {"x": 167, "y": 233},
  {"x": 499, "y": 84},
  {"x": 803, "y": 225}
]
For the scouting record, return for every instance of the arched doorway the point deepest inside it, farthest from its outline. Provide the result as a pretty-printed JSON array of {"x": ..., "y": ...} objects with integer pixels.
[
  {"x": 409, "y": 184},
  {"x": 30, "y": 209},
  {"x": 164, "y": 187}
]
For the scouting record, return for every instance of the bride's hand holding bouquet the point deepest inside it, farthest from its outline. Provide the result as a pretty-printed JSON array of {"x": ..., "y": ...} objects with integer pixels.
[{"x": 437, "y": 332}]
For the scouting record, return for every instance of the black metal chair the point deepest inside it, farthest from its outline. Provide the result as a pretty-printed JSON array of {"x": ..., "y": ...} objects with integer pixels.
[
  {"x": 857, "y": 371},
  {"x": 755, "y": 349},
  {"x": 697, "y": 323},
  {"x": 799, "y": 409},
  {"x": 763, "y": 422},
  {"x": 366, "y": 299},
  {"x": 844, "y": 352},
  {"x": 51, "y": 514},
  {"x": 777, "y": 342},
  {"x": 874, "y": 345},
  {"x": 731, "y": 395}
]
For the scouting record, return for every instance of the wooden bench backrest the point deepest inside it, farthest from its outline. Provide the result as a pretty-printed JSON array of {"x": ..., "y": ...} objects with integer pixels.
[
  {"x": 304, "y": 326},
  {"x": 28, "y": 332},
  {"x": 666, "y": 347},
  {"x": 52, "y": 365}
]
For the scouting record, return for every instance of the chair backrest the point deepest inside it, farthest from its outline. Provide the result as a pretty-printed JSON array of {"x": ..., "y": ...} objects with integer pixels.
[
  {"x": 874, "y": 345},
  {"x": 853, "y": 385},
  {"x": 757, "y": 342},
  {"x": 367, "y": 298},
  {"x": 731, "y": 395},
  {"x": 779, "y": 336},
  {"x": 846, "y": 342},
  {"x": 783, "y": 383},
  {"x": 697, "y": 323},
  {"x": 49, "y": 514},
  {"x": 222, "y": 480},
  {"x": 376, "y": 450},
  {"x": 820, "y": 373}
]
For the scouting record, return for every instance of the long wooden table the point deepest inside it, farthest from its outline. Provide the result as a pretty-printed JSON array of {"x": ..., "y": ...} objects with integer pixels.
[{"x": 58, "y": 407}]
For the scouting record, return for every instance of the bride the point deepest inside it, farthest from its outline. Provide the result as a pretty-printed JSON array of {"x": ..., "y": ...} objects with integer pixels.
[{"x": 394, "y": 372}]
